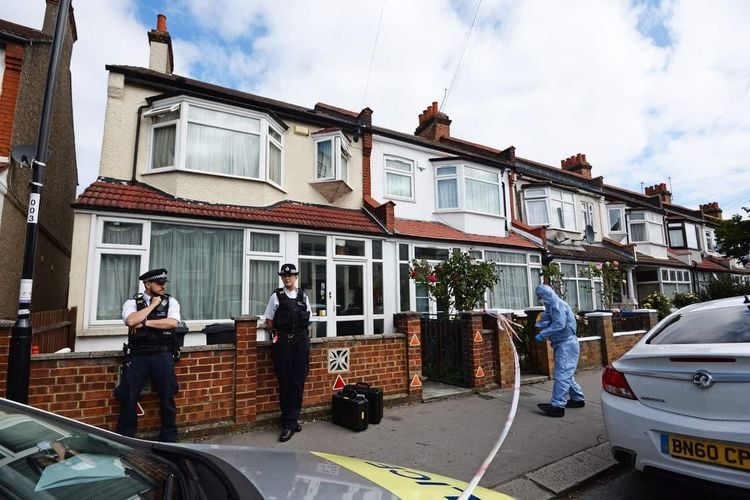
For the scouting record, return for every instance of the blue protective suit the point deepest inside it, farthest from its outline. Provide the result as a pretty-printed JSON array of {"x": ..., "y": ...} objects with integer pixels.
[{"x": 558, "y": 325}]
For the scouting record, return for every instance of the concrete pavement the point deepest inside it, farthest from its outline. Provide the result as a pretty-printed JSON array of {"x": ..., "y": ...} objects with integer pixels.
[{"x": 541, "y": 457}]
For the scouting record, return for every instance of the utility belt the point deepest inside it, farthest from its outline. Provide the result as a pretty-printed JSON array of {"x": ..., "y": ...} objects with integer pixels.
[
  {"x": 150, "y": 349},
  {"x": 296, "y": 334}
]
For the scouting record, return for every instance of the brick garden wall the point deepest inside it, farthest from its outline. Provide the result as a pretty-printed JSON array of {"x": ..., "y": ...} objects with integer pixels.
[{"x": 222, "y": 387}]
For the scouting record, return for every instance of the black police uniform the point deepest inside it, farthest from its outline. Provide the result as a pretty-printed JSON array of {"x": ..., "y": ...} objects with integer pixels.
[
  {"x": 152, "y": 354},
  {"x": 291, "y": 353}
]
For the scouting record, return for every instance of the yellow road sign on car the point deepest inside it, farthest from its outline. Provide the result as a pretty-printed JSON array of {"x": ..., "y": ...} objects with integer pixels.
[{"x": 409, "y": 483}]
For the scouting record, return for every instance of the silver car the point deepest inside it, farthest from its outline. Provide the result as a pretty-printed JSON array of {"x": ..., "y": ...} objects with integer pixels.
[
  {"x": 679, "y": 400},
  {"x": 47, "y": 456}
]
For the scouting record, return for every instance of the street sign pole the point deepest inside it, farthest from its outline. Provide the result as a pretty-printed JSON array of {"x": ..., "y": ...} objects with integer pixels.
[{"x": 19, "y": 355}]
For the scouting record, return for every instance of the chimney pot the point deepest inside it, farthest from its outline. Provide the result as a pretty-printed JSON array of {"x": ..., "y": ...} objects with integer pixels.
[
  {"x": 583, "y": 158},
  {"x": 434, "y": 107},
  {"x": 161, "y": 23}
]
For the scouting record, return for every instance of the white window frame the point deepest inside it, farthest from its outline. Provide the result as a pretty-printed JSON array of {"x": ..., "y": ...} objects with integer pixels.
[
  {"x": 621, "y": 213},
  {"x": 256, "y": 255},
  {"x": 340, "y": 156},
  {"x": 461, "y": 175},
  {"x": 552, "y": 196},
  {"x": 587, "y": 209},
  {"x": 388, "y": 171},
  {"x": 679, "y": 278},
  {"x": 653, "y": 226},
  {"x": 183, "y": 104}
]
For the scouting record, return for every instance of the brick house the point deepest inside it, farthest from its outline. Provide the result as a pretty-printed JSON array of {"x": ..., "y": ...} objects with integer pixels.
[{"x": 24, "y": 61}]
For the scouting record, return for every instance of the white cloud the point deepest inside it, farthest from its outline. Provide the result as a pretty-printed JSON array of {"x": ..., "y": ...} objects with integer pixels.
[{"x": 553, "y": 78}]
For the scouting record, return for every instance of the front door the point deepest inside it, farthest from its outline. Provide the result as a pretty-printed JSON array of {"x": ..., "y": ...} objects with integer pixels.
[{"x": 349, "y": 299}]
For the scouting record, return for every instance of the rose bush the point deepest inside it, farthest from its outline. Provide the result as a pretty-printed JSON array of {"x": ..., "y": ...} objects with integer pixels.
[{"x": 612, "y": 276}]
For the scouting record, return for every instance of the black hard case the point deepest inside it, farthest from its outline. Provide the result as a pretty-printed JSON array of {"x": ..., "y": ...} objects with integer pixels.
[
  {"x": 219, "y": 333},
  {"x": 374, "y": 397},
  {"x": 349, "y": 409}
]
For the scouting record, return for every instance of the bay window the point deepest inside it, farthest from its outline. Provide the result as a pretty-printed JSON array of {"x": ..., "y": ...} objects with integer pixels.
[
  {"x": 194, "y": 135},
  {"x": 462, "y": 187},
  {"x": 646, "y": 227},
  {"x": 550, "y": 207},
  {"x": 331, "y": 156}
]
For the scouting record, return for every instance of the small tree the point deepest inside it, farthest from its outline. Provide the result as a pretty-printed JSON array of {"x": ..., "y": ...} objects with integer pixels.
[
  {"x": 459, "y": 282},
  {"x": 612, "y": 277},
  {"x": 555, "y": 278}
]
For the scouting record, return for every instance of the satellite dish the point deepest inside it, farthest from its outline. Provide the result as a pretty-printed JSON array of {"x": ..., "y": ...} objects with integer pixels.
[{"x": 589, "y": 234}]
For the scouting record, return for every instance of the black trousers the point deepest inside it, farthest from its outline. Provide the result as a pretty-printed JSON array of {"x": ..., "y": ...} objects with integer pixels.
[
  {"x": 158, "y": 367},
  {"x": 291, "y": 362}
]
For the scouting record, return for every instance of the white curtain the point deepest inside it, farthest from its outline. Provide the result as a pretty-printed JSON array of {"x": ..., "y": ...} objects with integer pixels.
[
  {"x": 122, "y": 233},
  {"x": 638, "y": 232},
  {"x": 263, "y": 281},
  {"x": 118, "y": 281},
  {"x": 274, "y": 163},
  {"x": 482, "y": 197},
  {"x": 537, "y": 212},
  {"x": 162, "y": 154},
  {"x": 398, "y": 185},
  {"x": 447, "y": 193},
  {"x": 205, "y": 268},
  {"x": 264, "y": 242},
  {"x": 222, "y": 151},
  {"x": 512, "y": 289}
]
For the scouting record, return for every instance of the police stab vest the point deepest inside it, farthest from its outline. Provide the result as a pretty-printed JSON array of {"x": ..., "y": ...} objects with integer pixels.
[
  {"x": 147, "y": 336},
  {"x": 292, "y": 314}
]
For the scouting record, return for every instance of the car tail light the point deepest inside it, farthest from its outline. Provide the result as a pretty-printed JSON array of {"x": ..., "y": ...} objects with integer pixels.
[{"x": 615, "y": 383}]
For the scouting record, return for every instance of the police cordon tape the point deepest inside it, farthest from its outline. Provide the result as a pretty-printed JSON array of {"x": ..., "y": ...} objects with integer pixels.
[{"x": 503, "y": 324}]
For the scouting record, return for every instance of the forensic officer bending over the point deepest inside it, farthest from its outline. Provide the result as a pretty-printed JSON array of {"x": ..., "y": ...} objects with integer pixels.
[
  {"x": 151, "y": 318},
  {"x": 288, "y": 318}
]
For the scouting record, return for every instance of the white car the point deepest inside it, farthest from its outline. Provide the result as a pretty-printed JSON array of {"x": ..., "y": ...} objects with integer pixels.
[{"x": 679, "y": 400}]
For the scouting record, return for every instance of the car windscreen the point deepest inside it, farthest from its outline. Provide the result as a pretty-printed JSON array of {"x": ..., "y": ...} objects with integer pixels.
[
  {"x": 42, "y": 458},
  {"x": 705, "y": 326}
]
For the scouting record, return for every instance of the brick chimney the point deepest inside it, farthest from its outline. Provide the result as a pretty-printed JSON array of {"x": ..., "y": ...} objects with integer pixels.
[
  {"x": 160, "y": 56},
  {"x": 50, "y": 19},
  {"x": 577, "y": 164},
  {"x": 711, "y": 209},
  {"x": 433, "y": 124},
  {"x": 660, "y": 190}
]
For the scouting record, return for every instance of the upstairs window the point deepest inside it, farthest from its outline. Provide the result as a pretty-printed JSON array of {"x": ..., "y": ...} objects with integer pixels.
[
  {"x": 550, "y": 207},
  {"x": 710, "y": 240},
  {"x": 461, "y": 187},
  {"x": 399, "y": 178},
  {"x": 646, "y": 227},
  {"x": 684, "y": 235},
  {"x": 332, "y": 157},
  {"x": 211, "y": 138},
  {"x": 616, "y": 218}
]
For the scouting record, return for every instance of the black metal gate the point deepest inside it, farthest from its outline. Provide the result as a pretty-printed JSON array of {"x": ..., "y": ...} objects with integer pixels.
[{"x": 443, "y": 349}]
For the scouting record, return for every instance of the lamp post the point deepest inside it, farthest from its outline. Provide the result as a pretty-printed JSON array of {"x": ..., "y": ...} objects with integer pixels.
[{"x": 19, "y": 355}]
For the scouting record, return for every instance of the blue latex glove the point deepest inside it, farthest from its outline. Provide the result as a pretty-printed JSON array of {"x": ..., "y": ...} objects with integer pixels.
[{"x": 539, "y": 337}]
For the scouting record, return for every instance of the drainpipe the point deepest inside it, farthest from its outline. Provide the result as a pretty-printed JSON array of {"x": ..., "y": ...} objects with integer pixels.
[{"x": 137, "y": 137}]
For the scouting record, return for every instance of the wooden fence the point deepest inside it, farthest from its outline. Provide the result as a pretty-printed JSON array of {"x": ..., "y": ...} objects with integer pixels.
[{"x": 54, "y": 330}]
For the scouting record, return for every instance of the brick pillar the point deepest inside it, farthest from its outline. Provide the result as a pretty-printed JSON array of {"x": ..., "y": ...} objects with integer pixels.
[
  {"x": 473, "y": 344},
  {"x": 409, "y": 324},
  {"x": 503, "y": 352},
  {"x": 649, "y": 317},
  {"x": 245, "y": 369},
  {"x": 600, "y": 325},
  {"x": 5, "y": 327}
]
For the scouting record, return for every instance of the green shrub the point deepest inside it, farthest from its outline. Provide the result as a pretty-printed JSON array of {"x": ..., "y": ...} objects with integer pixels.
[
  {"x": 658, "y": 301},
  {"x": 680, "y": 300},
  {"x": 723, "y": 286}
]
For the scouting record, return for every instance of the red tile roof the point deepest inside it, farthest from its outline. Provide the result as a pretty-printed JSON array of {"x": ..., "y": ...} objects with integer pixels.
[
  {"x": 123, "y": 196},
  {"x": 709, "y": 265},
  {"x": 440, "y": 231}
]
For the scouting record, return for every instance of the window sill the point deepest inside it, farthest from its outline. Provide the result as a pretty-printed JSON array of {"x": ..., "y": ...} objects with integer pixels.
[
  {"x": 470, "y": 212},
  {"x": 169, "y": 170},
  {"x": 331, "y": 190}
]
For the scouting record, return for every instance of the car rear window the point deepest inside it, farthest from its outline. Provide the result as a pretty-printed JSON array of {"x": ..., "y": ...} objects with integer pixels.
[{"x": 707, "y": 326}]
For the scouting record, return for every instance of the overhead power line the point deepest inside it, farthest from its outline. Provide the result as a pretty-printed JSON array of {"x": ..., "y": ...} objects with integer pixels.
[
  {"x": 444, "y": 104},
  {"x": 372, "y": 57}
]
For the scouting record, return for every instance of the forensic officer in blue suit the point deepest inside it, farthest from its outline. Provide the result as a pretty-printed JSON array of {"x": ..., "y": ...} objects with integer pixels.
[
  {"x": 558, "y": 325},
  {"x": 288, "y": 319},
  {"x": 151, "y": 352}
]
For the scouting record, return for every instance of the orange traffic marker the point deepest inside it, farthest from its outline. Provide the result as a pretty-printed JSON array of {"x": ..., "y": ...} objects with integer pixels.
[
  {"x": 414, "y": 341},
  {"x": 415, "y": 381},
  {"x": 339, "y": 383},
  {"x": 478, "y": 336},
  {"x": 480, "y": 373}
]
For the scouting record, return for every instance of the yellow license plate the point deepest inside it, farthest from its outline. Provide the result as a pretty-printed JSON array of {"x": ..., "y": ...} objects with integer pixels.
[{"x": 736, "y": 456}]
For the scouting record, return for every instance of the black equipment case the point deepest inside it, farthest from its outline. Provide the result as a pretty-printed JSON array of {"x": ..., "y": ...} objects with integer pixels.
[
  {"x": 349, "y": 409},
  {"x": 219, "y": 333},
  {"x": 374, "y": 397}
]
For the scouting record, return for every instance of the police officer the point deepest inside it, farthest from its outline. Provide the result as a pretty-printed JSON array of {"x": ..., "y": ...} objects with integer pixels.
[
  {"x": 288, "y": 318},
  {"x": 151, "y": 318}
]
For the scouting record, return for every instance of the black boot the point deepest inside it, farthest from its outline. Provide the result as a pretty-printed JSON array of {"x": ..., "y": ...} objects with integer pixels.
[
  {"x": 551, "y": 411},
  {"x": 286, "y": 435}
]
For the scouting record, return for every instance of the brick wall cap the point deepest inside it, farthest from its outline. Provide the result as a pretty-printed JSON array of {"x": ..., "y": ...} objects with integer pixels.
[
  {"x": 408, "y": 313},
  {"x": 6, "y": 323},
  {"x": 645, "y": 310},
  {"x": 589, "y": 339},
  {"x": 246, "y": 317},
  {"x": 472, "y": 313},
  {"x": 631, "y": 332},
  {"x": 598, "y": 314},
  {"x": 535, "y": 308},
  {"x": 357, "y": 338}
]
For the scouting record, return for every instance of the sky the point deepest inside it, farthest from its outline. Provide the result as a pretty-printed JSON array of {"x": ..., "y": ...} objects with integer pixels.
[{"x": 651, "y": 91}]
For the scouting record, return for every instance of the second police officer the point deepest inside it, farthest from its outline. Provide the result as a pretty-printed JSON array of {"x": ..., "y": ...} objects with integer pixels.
[{"x": 288, "y": 319}]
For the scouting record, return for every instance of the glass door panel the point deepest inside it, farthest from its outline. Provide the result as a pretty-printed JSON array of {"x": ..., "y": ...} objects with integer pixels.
[{"x": 350, "y": 299}]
